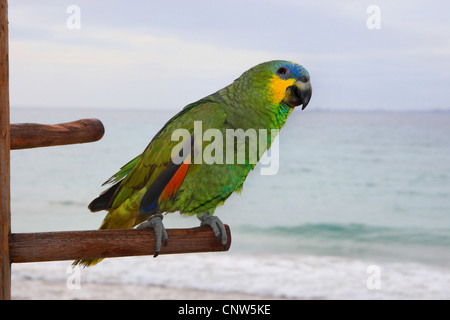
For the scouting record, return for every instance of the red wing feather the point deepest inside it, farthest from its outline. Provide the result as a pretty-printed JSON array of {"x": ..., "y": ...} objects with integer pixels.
[{"x": 174, "y": 183}]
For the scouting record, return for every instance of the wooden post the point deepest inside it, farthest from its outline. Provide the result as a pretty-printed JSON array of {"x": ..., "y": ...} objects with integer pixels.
[{"x": 5, "y": 206}]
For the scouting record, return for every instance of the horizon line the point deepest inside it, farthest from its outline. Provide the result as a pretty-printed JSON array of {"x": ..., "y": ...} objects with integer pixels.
[{"x": 314, "y": 110}]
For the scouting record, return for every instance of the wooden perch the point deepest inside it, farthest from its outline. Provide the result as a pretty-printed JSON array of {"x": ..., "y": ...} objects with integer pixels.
[
  {"x": 72, "y": 245},
  {"x": 33, "y": 135}
]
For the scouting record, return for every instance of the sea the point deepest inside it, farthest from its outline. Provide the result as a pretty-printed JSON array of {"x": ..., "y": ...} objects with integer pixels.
[{"x": 359, "y": 207}]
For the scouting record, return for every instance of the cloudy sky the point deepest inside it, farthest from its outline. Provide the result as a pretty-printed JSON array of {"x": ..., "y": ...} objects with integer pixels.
[{"x": 166, "y": 54}]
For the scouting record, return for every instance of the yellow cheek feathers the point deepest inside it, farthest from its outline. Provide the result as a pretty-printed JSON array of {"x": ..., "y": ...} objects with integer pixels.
[{"x": 277, "y": 88}]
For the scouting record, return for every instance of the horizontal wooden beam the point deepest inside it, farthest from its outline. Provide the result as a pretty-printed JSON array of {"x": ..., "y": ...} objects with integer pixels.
[
  {"x": 73, "y": 245},
  {"x": 34, "y": 135}
]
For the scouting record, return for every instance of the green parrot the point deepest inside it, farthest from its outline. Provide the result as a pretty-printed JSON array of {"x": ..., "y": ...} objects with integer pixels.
[{"x": 154, "y": 183}]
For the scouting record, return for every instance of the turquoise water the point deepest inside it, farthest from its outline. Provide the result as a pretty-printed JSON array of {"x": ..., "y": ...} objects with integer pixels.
[{"x": 352, "y": 190}]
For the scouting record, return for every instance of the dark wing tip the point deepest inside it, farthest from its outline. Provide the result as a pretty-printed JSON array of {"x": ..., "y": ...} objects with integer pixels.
[{"x": 103, "y": 202}]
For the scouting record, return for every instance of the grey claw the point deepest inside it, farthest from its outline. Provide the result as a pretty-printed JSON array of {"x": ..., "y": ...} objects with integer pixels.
[
  {"x": 155, "y": 223},
  {"x": 217, "y": 225}
]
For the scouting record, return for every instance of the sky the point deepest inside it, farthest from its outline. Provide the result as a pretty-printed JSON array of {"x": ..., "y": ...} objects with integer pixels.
[{"x": 146, "y": 54}]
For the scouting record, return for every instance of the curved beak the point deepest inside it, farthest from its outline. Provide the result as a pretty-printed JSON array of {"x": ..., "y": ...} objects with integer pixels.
[{"x": 298, "y": 94}]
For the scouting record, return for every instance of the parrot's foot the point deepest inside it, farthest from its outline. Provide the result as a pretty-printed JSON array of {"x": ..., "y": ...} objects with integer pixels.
[
  {"x": 155, "y": 223},
  {"x": 217, "y": 225}
]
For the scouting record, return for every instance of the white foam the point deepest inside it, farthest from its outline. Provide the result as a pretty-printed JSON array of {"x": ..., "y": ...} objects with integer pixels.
[{"x": 290, "y": 276}]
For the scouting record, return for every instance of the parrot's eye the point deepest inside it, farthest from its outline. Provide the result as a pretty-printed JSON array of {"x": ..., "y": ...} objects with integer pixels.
[{"x": 284, "y": 73}]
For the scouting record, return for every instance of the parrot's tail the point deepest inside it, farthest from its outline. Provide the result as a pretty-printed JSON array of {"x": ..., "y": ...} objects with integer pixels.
[
  {"x": 90, "y": 262},
  {"x": 86, "y": 262},
  {"x": 108, "y": 223}
]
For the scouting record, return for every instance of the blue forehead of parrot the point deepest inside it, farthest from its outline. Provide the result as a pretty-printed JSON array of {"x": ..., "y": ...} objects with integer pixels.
[{"x": 296, "y": 70}]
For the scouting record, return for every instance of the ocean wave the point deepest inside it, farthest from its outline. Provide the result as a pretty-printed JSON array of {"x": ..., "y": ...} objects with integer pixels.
[
  {"x": 68, "y": 203},
  {"x": 356, "y": 232}
]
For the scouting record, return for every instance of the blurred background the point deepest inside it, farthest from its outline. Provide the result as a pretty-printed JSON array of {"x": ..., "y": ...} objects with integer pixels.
[{"x": 364, "y": 175}]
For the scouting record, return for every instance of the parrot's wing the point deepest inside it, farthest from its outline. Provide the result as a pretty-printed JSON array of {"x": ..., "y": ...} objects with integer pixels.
[
  {"x": 102, "y": 202},
  {"x": 154, "y": 169},
  {"x": 123, "y": 171}
]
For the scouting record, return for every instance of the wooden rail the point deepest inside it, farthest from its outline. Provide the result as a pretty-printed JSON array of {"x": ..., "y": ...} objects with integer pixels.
[
  {"x": 33, "y": 135},
  {"x": 72, "y": 245}
]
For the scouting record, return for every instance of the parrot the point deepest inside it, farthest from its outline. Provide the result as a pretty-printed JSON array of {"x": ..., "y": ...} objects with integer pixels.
[{"x": 153, "y": 184}]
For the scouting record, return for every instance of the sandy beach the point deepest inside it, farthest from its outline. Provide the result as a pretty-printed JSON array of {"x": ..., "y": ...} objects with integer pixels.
[{"x": 57, "y": 290}]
